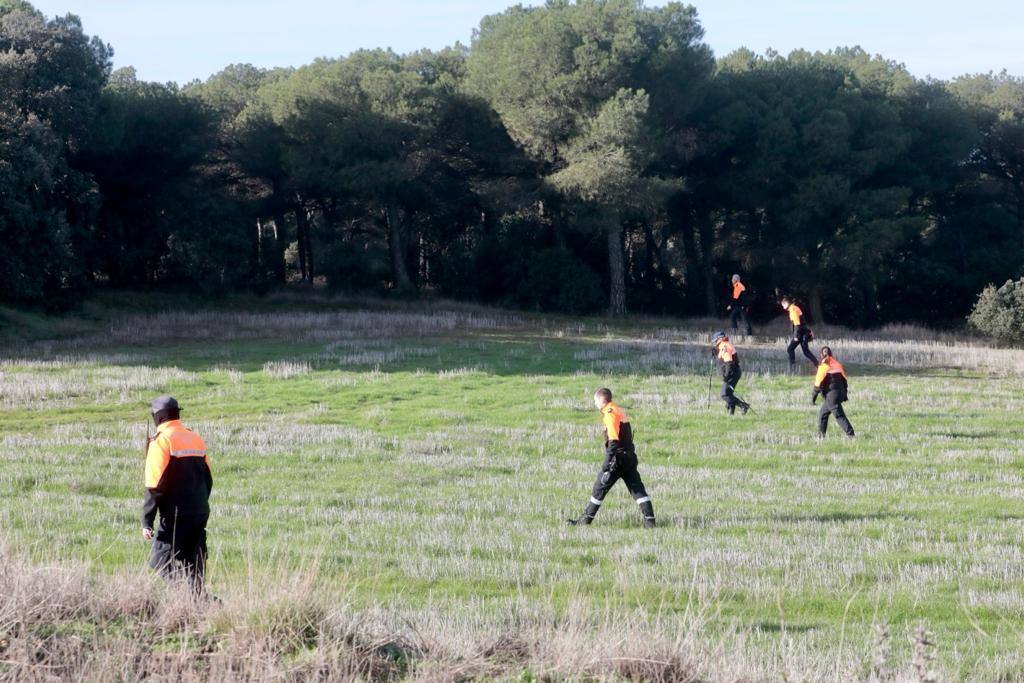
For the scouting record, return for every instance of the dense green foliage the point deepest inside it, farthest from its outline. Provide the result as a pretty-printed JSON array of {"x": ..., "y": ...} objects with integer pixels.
[
  {"x": 579, "y": 156},
  {"x": 999, "y": 312}
]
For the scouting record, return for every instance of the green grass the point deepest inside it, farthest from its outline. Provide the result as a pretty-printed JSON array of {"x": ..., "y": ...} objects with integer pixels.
[{"x": 432, "y": 470}]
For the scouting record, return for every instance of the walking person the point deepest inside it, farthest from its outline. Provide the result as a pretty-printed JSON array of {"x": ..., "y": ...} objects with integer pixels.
[
  {"x": 620, "y": 462},
  {"x": 831, "y": 381},
  {"x": 802, "y": 334},
  {"x": 729, "y": 361},
  {"x": 738, "y": 305},
  {"x": 178, "y": 483}
]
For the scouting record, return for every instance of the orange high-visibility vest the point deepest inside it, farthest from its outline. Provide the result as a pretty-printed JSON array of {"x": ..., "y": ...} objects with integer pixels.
[
  {"x": 178, "y": 478},
  {"x": 726, "y": 351},
  {"x": 796, "y": 316},
  {"x": 829, "y": 366},
  {"x": 737, "y": 289},
  {"x": 613, "y": 418},
  {"x": 173, "y": 441}
]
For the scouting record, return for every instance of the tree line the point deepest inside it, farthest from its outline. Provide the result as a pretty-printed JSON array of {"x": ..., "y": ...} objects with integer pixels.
[{"x": 584, "y": 157}]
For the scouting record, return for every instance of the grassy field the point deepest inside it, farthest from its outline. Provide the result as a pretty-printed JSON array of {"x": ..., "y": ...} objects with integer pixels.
[{"x": 405, "y": 473}]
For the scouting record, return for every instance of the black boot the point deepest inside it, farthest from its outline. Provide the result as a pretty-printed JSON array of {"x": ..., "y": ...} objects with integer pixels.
[
  {"x": 744, "y": 407},
  {"x": 587, "y": 517},
  {"x": 647, "y": 510}
]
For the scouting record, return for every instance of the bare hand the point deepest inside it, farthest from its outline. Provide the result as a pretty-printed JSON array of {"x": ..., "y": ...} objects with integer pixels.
[{"x": 147, "y": 534}]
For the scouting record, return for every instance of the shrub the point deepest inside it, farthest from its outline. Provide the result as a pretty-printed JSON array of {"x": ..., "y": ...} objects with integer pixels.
[
  {"x": 558, "y": 281},
  {"x": 353, "y": 266},
  {"x": 999, "y": 313}
]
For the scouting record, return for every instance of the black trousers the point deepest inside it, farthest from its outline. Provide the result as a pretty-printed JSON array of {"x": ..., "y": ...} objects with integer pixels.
[
  {"x": 833, "y": 405},
  {"x": 800, "y": 338},
  {"x": 179, "y": 549},
  {"x": 624, "y": 467},
  {"x": 729, "y": 381},
  {"x": 737, "y": 313}
]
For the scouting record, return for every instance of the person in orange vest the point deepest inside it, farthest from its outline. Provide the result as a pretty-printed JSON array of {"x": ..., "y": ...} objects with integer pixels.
[
  {"x": 726, "y": 354},
  {"x": 831, "y": 381},
  {"x": 620, "y": 462},
  {"x": 801, "y": 333},
  {"x": 178, "y": 482},
  {"x": 738, "y": 305}
]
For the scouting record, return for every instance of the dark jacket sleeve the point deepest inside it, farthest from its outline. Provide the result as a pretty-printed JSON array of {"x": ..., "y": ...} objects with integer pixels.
[
  {"x": 611, "y": 451},
  {"x": 150, "y": 504}
]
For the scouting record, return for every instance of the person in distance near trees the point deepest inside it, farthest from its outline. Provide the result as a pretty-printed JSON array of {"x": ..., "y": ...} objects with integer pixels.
[
  {"x": 802, "y": 333},
  {"x": 738, "y": 305}
]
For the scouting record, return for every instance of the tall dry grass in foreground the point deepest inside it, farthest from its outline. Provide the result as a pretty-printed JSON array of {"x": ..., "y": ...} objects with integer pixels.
[{"x": 61, "y": 622}]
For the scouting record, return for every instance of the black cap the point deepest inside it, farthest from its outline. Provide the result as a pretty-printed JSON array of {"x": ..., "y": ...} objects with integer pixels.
[
  {"x": 717, "y": 335},
  {"x": 161, "y": 403}
]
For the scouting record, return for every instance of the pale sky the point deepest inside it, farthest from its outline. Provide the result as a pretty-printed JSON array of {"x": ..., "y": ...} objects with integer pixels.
[{"x": 179, "y": 40}]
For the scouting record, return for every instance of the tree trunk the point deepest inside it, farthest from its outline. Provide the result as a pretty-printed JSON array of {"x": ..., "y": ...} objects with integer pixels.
[
  {"x": 300, "y": 238},
  {"x": 616, "y": 271},
  {"x": 814, "y": 296},
  {"x": 278, "y": 247},
  {"x": 656, "y": 274},
  {"x": 870, "y": 294},
  {"x": 424, "y": 270},
  {"x": 396, "y": 245},
  {"x": 691, "y": 262},
  {"x": 310, "y": 258},
  {"x": 259, "y": 245},
  {"x": 1020, "y": 211},
  {"x": 815, "y": 304},
  {"x": 305, "y": 243},
  {"x": 710, "y": 299}
]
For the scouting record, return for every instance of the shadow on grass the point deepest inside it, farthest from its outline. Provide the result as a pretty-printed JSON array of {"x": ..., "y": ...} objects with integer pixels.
[
  {"x": 777, "y": 627},
  {"x": 706, "y": 522},
  {"x": 966, "y": 435},
  {"x": 832, "y": 517},
  {"x": 1009, "y": 517}
]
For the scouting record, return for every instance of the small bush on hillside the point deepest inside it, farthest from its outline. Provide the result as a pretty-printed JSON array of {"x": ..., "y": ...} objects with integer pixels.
[{"x": 999, "y": 312}]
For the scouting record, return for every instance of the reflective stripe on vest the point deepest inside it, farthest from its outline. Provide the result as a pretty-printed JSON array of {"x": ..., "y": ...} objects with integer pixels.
[{"x": 188, "y": 453}]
